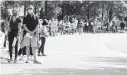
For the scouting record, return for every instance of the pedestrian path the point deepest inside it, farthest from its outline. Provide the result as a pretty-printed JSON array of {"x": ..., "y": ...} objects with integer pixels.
[{"x": 72, "y": 55}]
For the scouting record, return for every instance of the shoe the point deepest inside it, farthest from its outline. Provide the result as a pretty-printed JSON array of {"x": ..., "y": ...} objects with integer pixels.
[
  {"x": 27, "y": 61},
  {"x": 36, "y": 62},
  {"x": 43, "y": 54},
  {"x": 21, "y": 58},
  {"x": 15, "y": 61},
  {"x": 10, "y": 61},
  {"x": 38, "y": 54}
]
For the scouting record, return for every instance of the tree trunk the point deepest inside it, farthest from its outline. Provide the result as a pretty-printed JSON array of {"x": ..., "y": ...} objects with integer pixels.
[
  {"x": 25, "y": 8},
  {"x": 35, "y": 9},
  {"x": 102, "y": 11},
  {"x": 110, "y": 14},
  {"x": 46, "y": 9}
]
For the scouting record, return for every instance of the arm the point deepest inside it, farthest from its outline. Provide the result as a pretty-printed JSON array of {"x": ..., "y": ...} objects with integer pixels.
[
  {"x": 25, "y": 28},
  {"x": 36, "y": 29},
  {"x": 19, "y": 29},
  {"x": 24, "y": 25}
]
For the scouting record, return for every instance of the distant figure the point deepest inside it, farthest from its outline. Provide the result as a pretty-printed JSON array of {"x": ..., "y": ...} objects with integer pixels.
[
  {"x": 80, "y": 27},
  {"x": 61, "y": 27},
  {"x": 86, "y": 26},
  {"x": 122, "y": 25},
  {"x": 53, "y": 27}
]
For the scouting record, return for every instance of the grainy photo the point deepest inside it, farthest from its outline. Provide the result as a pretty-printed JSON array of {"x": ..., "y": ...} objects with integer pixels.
[{"x": 63, "y": 37}]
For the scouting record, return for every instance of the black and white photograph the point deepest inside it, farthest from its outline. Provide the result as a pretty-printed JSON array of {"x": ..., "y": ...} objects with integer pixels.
[{"x": 63, "y": 37}]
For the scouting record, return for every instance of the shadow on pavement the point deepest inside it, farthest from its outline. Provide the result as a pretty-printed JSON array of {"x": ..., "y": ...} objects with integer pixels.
[
  {"x": 112, "y": 60},
  {"x": 66, "y": 71}
]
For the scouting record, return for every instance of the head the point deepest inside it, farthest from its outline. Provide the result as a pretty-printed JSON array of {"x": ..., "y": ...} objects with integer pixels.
[
  {"x": 14, "y": 12},
  {"x": 73, "y": 19},
  {"x": 53, "y": 19},
  {"x": 81, "y": 20},
  {"x": 45, "y": 22},
  {"x": 61, "y": 21},
  {"x": 30, "y": 10}
]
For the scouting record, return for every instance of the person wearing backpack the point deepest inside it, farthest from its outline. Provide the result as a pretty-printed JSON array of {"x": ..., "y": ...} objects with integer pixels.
[{"x": 14, "y": 23}]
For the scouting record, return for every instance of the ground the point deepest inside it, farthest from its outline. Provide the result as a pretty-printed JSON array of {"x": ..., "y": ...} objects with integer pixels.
[{"x": 87, "y": 54}]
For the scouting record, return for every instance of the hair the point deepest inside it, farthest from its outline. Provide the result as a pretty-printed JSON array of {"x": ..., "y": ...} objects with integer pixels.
[
  {"x": 14, "y": 10},
  {"x": 45, "y": 22}
]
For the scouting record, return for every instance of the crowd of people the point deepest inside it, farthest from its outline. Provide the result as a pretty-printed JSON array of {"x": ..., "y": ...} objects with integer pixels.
[
  {"x": 24, "y": 35},
  {"x": 73, "y": 26}
]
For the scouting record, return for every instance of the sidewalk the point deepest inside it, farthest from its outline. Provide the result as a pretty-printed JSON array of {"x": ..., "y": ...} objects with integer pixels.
[
  {"x": 119, "y": 43},
  {"x": 65, "y": 56}
]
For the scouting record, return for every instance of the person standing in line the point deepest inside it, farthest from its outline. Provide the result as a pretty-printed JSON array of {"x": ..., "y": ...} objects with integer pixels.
[
  {"x": 122, "y": 25},
  {"x": 30, "y": 24},
  {"x": 56, "y": 26},
  {"x": 49, "y": 26},
  {"x": 67, "y": 24},
  {"x": 61, "y": 26},
  {"x": 14, "y": 27},
  {"x": 43, "y": 35},
  {"x": 52, "y": 25},
  {"x": 87, "y": 27},
  {"x": 4, "y": 29},
  {"x": 92, "y": 26},
  {"x": 113, "y": 27},
  {"x": 75, "y": 26},
  {"x": 80, "y": 27}
]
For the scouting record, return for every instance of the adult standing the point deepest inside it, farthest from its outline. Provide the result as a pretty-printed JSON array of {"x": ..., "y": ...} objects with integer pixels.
[
  {"x": 92, "y": 26},
  {"x": 30, "y": 22},
  {"x": 80, "y": 27},
  {"x": 14, "y": 26},
  {"x": 53, "y": 27},
  {"x": 122, "y": 25},
  {"x": 87, "y": 26},
  {"x": 75, "y": 26}
]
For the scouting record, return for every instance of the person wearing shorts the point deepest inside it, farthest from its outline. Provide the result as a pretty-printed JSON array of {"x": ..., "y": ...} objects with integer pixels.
[{"x": 30, "y": 22}]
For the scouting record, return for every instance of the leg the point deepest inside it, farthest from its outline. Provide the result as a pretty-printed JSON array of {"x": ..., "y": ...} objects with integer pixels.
[
  {"x": 16, "y": 51},
  {"x": 27, "y": 53},
  {"x": 40, "y": 47},
  {"x": 26, "y": 43},
  {"x": 11, "y": 38},
  {"x": 34, "y": 47},
  {"x": 43, "y": 44},
  {"x": 34, "y": 53},
  {"x": 5, "y": 38}
]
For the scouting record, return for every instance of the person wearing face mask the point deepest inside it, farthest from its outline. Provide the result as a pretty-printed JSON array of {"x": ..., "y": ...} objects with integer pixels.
[
  {"x": 14, "y": 23},
  {"x": 30, "y": 24}
]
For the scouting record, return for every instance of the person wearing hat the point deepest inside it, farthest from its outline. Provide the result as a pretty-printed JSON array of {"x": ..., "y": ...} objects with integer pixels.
[
  {"x": 30, "y": 23},
  {"x": 43, "y": 35},
  {"x": 14, "y": 25}
]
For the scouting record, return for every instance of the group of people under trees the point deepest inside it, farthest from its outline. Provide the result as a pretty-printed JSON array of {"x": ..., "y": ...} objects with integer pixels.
[
  {"x": 84, "y": 26},
  {"x": 24, "y": 34}
]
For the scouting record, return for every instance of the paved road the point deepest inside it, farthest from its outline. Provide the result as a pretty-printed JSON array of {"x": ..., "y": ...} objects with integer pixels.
[{"x": 87, "y": 54}]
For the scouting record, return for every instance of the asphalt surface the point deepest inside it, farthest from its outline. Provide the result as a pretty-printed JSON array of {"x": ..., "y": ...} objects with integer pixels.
[{"x": 87, "y": 54}]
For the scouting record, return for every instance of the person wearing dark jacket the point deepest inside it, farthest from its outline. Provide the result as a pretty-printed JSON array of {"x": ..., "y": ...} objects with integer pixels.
[
  {"x": 14, "y": 22},
  {"x": 122, "y": 25},
  {"x": 30, "y": 24}
]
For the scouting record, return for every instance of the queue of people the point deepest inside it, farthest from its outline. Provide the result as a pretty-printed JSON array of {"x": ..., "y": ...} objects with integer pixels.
[
  {"x": 85, "y": 26},
  {"x": 24, "y": 35}
]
